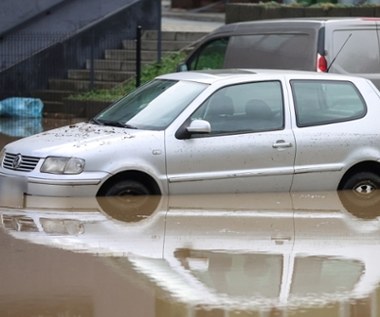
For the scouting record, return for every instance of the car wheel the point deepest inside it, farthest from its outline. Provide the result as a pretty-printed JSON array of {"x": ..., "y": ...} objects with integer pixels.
[
  {"x": 363, "y": 184},
  {"x": 128, "y": 201},
  {"x": 127, "y": 187},
  {"x": 360, "y": 195}
]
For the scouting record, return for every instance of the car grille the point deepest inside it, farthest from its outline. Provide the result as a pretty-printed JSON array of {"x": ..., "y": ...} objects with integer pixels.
[{"x": 20, "y": 162}]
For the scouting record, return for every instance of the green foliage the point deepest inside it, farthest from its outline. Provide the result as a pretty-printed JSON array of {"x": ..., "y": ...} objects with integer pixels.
[
  {"x": 168, "y": 64},
  {"x": 323, "y": 4}
]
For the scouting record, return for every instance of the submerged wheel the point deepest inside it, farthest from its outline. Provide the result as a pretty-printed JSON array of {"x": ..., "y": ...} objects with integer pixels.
[
  {"x": 126, "y": 187},
  {"x": 128, "y": 201},
  {"x": 360, "y": 195},
  {"x": 363, "y": 184}
]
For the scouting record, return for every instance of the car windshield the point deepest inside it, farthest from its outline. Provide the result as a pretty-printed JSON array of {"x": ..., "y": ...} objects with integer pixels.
[{"x": 153, "y": 106}]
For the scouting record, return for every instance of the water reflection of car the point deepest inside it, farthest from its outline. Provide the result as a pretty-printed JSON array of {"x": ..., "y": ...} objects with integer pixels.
[
  {"x": 232, "y": 131},
  {"x": 246, "y": 251}
]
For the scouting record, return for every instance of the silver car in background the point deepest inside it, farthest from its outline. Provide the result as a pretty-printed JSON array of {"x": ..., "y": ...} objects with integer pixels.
[{"x": 234, "y": 131}]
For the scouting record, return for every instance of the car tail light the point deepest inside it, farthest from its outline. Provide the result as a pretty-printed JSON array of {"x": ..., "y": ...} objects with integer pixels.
[{"x": 321, "y": 64}]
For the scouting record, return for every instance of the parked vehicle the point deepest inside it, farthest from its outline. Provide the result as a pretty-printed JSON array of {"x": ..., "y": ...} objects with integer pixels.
[
  {"x": 211, "y": 132},
  {"x": 335, "y": 45}
]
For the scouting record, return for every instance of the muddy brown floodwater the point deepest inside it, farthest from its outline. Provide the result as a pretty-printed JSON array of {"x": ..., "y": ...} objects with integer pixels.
[{"x": 239, "y": 255}]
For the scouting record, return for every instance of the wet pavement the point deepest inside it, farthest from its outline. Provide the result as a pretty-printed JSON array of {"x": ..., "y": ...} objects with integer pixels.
[{"x": 264, "y": 255}]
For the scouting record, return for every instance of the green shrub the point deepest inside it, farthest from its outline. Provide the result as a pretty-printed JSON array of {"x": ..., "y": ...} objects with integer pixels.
[{"x": 168, "y": 64}]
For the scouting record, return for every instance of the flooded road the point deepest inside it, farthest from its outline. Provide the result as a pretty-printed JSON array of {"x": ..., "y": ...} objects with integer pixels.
[{"x": 262, "y": 255}]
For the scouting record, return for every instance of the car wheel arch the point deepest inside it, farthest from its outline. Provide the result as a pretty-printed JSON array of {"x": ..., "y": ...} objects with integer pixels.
[
  {"x": 134, "y": 175},
  {"x": 366, "y": 166}
]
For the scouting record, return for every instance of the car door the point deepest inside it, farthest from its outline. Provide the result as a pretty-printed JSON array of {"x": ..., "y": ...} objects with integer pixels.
[{"x": 250, "y": 147}]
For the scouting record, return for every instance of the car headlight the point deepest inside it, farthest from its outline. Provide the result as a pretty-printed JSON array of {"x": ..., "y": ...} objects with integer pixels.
[{"x": 62, "y": 165}]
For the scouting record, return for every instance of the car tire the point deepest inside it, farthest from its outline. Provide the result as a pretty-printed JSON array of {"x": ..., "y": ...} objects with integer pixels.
[
  {"x": 127, "y": 187},
  {"x": 360, "y": 195},
  {"x": 128, "y": 201}
]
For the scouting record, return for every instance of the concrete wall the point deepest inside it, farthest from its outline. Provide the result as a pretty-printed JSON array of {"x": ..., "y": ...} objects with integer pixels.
[
  {"x": 240, "y": 12},
  {"x": 65, "y": 38},
  {"x": 16, "y": 12},
  {"x": 67, "y": 19}
]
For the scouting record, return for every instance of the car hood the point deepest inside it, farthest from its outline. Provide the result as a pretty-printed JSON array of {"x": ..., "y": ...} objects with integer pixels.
[{"x": 81, "y": 137}]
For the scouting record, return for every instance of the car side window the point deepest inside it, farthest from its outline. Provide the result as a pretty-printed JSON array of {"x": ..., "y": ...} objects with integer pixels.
[
  {"x": 209, "y": 56},
  {"x": 244, "y": 108},
  {"x": 320, "y": 102}
]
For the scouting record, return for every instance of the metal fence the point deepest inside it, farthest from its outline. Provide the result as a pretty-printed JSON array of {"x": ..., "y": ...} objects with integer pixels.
[
  {"x": 51, "y": 53},
  {"x": 89, "y": 56}
]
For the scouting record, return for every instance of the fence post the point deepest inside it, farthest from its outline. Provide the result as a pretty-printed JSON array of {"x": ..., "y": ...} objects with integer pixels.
[
  {"x": 159, "y": 33},
  {"x": 138, "y": 55},
  {"x": 92, "y": 62}
]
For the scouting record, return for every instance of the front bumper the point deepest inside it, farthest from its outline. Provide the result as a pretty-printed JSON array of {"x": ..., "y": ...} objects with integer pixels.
[{"x": 12, "y": 187}]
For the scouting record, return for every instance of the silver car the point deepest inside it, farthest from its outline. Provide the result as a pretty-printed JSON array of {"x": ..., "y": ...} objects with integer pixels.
[{"x": 211, "y": 132}]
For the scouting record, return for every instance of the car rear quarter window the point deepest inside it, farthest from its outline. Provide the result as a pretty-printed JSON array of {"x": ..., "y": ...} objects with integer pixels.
[
  {"x": 320, "y": 102},
  {"x": 275, "y": 51}
]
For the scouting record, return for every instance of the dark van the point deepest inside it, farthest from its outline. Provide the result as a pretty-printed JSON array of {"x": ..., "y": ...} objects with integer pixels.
[{"x": 337, "y": 45}]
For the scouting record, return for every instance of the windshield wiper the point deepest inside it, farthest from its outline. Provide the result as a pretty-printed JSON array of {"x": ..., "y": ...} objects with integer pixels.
[
  {"x": 112, "y": 123},
  {"x": 95, "y": 121}
]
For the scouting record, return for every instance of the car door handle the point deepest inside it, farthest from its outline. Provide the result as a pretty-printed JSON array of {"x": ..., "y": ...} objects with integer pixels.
[
  {"x": 280, "y": 240},
  {"x": 281, "y": 144}
]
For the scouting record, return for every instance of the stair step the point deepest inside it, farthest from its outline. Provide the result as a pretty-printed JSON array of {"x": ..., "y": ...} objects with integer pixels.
[
  {"x": 113, "y": 65},
  {"x": 61, "y": 107},
  {"x": 50, "y": 94},
  {"x": 173, "y": 36},
  {"x": 117, "y": 66},
  {"x": 151, "y": 45},
  {"x": 88, "y": 108},
  {"x": 51, "y": 106},
  {"x": 99, "y": 75},
  {"x": 131, "y": 55},
  {"x": 79, "y": 85}
]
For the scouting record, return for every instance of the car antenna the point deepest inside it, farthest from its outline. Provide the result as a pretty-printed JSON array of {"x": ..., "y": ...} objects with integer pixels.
[{"x": 337, "y": 54}]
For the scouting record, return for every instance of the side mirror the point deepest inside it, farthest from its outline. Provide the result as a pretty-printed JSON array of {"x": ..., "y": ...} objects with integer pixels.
[
  {"x": 182, "y": 67},
  {"x": 199, "y": 126}
]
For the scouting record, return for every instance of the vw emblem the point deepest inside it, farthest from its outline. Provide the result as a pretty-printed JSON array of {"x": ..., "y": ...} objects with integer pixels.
[{"x": 17, "y": 161}]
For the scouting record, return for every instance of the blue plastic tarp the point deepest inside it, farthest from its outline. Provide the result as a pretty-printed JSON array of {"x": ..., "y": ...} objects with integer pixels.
[
  {"x": 20, "y": 127},
  {"x": 20, "y": 107}
]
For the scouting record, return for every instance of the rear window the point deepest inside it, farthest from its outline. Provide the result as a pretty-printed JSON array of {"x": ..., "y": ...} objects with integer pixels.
[
  {"x": 277, "y": 51},
  {"x": 323, "y": 102}
]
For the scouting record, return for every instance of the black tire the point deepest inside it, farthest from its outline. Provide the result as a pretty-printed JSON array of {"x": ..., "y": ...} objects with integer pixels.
[
  {"x": 360, "y": 195},
  {"x": 127, "y": 187},
  {"x": 128, "y": 201}
]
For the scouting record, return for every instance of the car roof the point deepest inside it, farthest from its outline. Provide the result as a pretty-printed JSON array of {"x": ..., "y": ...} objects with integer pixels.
[
  {"x": 213, "y": 75},
  {"x": 207, "y": 76}
]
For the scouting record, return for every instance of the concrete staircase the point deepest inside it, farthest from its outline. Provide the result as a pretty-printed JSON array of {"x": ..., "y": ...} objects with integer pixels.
[{"x": 117, "y": 66}]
